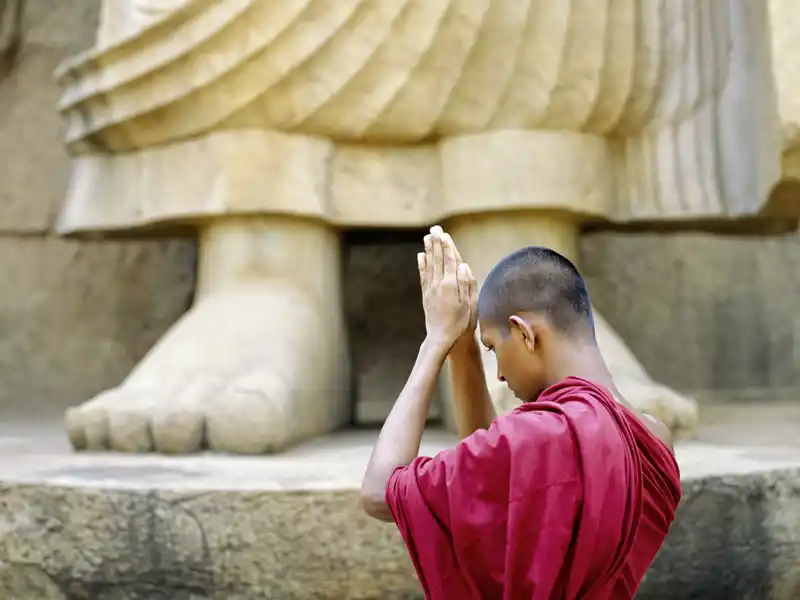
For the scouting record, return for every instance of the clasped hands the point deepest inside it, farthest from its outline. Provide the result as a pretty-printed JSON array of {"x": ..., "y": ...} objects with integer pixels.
[{"x": 449, "y": 292}]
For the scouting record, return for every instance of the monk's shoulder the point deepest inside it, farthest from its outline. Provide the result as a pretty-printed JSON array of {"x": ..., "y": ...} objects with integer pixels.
[
  {"x": 539, "y": 431},
  {"x": 516, "y": 447},
  {"x": 541, "y": 448},
  {"x": 545, "y": 418},
  {"x": 519, "y": 427}
]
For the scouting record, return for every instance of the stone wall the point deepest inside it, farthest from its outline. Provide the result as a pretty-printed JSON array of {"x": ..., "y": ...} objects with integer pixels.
[
  {"x": 715, "y": 315},
  {"x": 384, "y": 317},
  {"x": 703, "y": 313},
  {"x": 75, "y": 316}
]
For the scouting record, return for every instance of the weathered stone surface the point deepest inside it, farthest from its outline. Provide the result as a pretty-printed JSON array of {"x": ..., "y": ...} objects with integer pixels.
[
  {"x": 735, "y": 537},
  {"x": 385, "y": 319},
  {"x": 34, "y": 169},
  {"x": 10, "y": 33},
  {"x": 702, "y": 312},
  {"x": 785, "y": 22},
  {"x": 63, "y": 25},
  {"x": 119, "y": 527},
  {"x": 77, "y": 316},
  {"x": 143, "y": 545}
]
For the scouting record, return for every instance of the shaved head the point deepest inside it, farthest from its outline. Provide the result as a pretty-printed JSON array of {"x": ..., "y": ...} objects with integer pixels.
[{"x": 540, "y": 281}]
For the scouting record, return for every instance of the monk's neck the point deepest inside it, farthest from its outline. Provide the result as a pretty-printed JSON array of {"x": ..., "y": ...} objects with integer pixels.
[{"x": 585, "y": 361}]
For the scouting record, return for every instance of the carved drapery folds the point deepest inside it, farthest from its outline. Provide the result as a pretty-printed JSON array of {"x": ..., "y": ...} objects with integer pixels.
[{"x": 10, "y": 33}]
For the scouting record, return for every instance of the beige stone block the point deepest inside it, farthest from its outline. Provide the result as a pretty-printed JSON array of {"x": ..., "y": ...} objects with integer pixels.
[
  {"x": 704, "y": 312},
  {"x": 34, "y": 170},
  {"x": 785, "y": 23},
  {"x": 77, "y": 316},
  {"x": 121, "y": 527},
  {"x": 68, "y": 25}
]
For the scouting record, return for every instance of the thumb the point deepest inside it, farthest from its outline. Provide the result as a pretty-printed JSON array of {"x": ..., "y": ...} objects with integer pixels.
[
  {"x": 463, "y": 282},
  {"x": 473, "y": 285}
]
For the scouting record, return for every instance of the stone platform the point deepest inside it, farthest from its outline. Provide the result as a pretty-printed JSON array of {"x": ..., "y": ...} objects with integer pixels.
[{"x": 120, "y": 527}]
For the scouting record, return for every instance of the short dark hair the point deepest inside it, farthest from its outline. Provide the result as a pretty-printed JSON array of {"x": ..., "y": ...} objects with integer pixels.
[{"x": 537, "y": 280}]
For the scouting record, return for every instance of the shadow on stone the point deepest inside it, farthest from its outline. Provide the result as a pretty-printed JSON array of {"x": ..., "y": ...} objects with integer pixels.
[{"x": 162, "y": 554}]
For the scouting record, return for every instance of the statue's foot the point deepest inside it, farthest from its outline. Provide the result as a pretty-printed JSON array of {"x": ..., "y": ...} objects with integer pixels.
[
  {"x": 248, "y": 372},
  {"x": 676, "y": 411}
]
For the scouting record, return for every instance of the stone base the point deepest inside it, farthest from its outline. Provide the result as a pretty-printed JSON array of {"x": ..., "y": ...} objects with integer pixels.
[{"x": 113, "y": 527}]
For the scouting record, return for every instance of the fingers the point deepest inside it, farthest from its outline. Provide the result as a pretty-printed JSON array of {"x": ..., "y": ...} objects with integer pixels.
[
  {"x": 455, "y": 249},
  {"x": 438, "y": 254},
  {"x": 450, "y": 264},
  {"x": 422, "y": 267},
  {"x": 463, "y": 282},
  {"x": 441, "y": 257},
  {"x": 428, "y": 241}
]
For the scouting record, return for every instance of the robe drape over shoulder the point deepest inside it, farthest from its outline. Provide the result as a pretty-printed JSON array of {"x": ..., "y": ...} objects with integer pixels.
[{"x": 567, "y": 497}]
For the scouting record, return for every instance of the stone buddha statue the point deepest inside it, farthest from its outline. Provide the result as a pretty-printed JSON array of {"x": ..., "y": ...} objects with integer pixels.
[{"x": 271, "y": 126}]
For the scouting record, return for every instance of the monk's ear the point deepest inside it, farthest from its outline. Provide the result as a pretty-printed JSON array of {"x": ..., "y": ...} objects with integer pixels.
[{"x": 525, "y": 329}]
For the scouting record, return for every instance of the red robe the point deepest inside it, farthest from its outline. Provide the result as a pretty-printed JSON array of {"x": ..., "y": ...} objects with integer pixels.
[{"x": 567, "y": 497}]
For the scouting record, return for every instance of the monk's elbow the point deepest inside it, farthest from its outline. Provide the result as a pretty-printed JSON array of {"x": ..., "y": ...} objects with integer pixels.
[{"x": 373, "y": 501}]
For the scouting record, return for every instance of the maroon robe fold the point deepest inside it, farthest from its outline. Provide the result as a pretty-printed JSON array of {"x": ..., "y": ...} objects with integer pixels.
[{"x": 568, "y": 497}]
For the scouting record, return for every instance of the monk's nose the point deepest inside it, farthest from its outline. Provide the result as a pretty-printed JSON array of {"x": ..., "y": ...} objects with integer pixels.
[{"x": 500, "y": 377}]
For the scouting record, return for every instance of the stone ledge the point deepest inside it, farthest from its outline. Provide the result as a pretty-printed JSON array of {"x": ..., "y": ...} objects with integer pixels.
[
  {"x": 252, "y": 172},
  {"x": 108, "y": 527}
]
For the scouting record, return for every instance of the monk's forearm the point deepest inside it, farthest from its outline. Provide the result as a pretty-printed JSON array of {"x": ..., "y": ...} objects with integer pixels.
[
  {"x": 472, "y": 403},
  {"x": 401, "y": 435}
]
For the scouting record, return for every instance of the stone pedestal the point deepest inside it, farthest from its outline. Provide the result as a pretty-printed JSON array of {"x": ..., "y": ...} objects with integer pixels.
[{"x": 288, "y": 527}]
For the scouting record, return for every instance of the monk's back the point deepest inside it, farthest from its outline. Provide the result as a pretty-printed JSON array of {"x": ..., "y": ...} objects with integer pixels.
[
  {"x": 659, "y": 484},
  {"x": 639, "y": 472},
  {"x": 660, "y": 497}
]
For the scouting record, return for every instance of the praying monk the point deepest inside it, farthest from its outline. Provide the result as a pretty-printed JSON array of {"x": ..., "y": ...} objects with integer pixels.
[{"x": 571, "y": 495}]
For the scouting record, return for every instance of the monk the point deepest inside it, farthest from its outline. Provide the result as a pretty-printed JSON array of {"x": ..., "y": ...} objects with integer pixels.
[{"x": 572, "y": 494}]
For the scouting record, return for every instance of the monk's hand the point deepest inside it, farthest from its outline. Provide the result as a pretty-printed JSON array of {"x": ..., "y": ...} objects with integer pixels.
[
  {"x": 445, "y": 290},
  {"x": 468, "y": 337}
]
